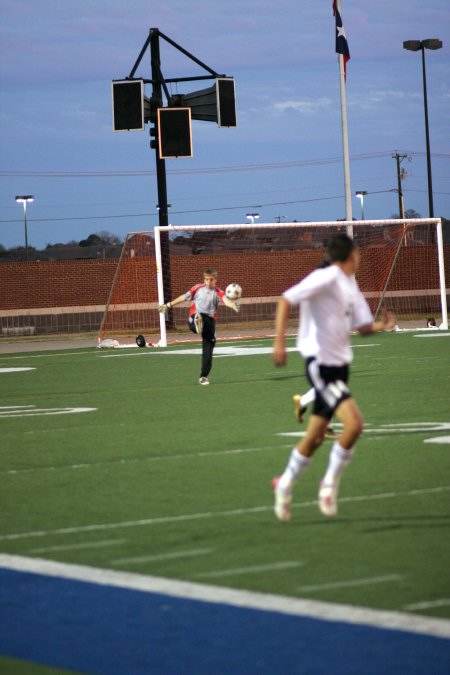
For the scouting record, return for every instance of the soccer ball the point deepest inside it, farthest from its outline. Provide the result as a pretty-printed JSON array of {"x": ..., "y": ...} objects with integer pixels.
[{"x": 233, "y": 292}]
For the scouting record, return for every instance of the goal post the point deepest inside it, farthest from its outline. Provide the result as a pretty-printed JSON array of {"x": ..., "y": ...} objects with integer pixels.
[{"x": 402, "y": 268}]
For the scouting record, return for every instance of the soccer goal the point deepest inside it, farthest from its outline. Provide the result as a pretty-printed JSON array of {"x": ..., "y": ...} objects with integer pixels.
[{"x": 402, "y": 269}]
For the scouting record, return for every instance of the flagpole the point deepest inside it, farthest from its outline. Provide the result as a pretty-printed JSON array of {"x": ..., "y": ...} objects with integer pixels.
[{"x": 347, "y": 181}]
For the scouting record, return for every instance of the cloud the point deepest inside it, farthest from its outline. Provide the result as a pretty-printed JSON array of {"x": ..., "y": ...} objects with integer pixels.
[{"x": 306, "y": 106}]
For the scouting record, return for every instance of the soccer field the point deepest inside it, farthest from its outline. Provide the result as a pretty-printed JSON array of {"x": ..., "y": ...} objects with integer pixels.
[{"x": 119, "y": 460}]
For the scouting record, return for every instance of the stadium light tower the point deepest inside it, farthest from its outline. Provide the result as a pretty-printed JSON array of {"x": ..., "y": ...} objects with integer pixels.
[
  {"x": 415, "y": 46},
  {"x": 361, "y": 194},
  {"x": 24, "y": 199},
  {"x": 252, "y": 217}
]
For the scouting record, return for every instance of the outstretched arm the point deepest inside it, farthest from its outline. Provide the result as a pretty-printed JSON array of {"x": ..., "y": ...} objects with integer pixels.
[
  {"x": 231, "y": 304},
  {"x": 168, "y": 305},
  {"x": 279, "y": 355},
  {"x": 387, "y": 322}
]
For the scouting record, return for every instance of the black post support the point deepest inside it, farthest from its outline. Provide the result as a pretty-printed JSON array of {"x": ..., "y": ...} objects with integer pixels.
[
  {"x": 157, "y": 102},
  {"x": 427, "y": 136}
]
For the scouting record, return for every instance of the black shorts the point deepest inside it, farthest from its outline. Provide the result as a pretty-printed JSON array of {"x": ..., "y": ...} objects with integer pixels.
[{"x": 330, "y": 385}]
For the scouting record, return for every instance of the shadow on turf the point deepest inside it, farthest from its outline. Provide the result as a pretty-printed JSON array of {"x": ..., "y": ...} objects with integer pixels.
[{"x": 411, "y": 522}]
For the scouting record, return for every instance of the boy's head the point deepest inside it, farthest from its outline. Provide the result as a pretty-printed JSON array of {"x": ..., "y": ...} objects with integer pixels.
[
  {"x": 342, "y": 249},
  {"x": 210, "y": 277}
]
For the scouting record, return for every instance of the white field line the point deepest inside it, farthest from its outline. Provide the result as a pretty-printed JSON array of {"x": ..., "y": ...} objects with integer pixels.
[
  {"x": 399, "y": 428},
  {"x": 196, "y": 351},
  {"x": 220, "y": 351},
  {"x": 79, "y": 547},
  {"x": 77, "y": 351},
  {"x": 228, "y": 596},
  {"x": 427, "y": 604},
  {"x": 254, "y": 569},
  {"x": 162, "y": 556},
  {"x": 164, "y": 520},
  {"x": 39, "y": 412},
  {"x": 15, "y": 407},
  {"x": 157, "y": 458},
  {"x": 368, "y": 581}
]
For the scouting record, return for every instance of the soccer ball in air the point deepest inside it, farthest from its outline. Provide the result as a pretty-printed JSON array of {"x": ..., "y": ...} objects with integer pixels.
[{"x": 233, "y": 292}]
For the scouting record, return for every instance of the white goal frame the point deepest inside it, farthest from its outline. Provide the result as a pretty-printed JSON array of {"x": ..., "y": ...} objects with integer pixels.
[{"x": 325, "y": 224}]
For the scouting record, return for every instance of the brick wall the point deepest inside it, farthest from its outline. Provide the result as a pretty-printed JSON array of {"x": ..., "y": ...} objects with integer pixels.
[
  {"x": 69, "y": 283},
  {"x": 63, "y": 283}
]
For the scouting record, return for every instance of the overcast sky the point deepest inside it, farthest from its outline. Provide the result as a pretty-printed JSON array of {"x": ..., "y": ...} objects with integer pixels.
[{"x": 58, "y": 58}]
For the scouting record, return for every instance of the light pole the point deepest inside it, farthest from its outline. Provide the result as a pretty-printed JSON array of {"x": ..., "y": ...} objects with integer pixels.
[
  {"x": 252, "y": 217},
  {"x": 24, "y": 199},
  {"x": 415, "y": 46},
  {"x": 361, "y": 194}
]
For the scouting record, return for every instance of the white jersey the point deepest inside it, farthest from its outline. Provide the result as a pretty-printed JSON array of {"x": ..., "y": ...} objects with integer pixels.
[{"x": 331, "y": 306}]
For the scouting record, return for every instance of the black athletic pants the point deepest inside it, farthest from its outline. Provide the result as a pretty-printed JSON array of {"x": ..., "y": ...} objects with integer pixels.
[{"x": 208, "y": 341}]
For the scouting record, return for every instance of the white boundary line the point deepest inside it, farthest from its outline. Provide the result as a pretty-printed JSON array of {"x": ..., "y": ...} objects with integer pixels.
[
  {"x": 163, "y": 520},
  {"x": 235, "y": 598},
  {"x": 427, "y": 604}
]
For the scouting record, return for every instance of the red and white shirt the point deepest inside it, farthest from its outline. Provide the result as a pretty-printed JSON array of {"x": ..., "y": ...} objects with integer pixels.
[{"x": 204, "y": 300}]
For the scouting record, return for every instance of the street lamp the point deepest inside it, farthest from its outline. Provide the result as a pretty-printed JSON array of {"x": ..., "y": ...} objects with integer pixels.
[
  {"x": 415, "y": 46},
  {"x": 24, "y": 199},
  {"x": 252, "y": 217},
  {"x": 361, "y": 194}
]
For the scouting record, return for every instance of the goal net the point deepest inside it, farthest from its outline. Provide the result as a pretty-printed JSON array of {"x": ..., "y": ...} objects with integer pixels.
[{"x": 402, "y": 269}]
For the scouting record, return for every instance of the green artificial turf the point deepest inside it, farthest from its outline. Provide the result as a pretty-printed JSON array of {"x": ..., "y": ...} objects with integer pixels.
[
  {"x": 195, "y": 464},
  {"x": 18, "y": 667}
]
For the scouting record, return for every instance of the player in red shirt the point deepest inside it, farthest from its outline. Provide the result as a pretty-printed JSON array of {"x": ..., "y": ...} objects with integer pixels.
[{"x": 204, "y": 298}]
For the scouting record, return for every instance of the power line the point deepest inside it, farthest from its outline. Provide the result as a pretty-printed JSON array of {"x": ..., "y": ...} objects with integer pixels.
[
  {"x": 210, "y": 170},
  {"x": 199, "y": 197},
  {"x": 190, "y": 211},
  {"x": 146, "y": 215}
]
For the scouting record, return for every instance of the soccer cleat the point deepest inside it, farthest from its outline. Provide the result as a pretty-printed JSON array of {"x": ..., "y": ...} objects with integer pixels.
[
  {"x": 282, "y": 506},
  {"x": 204, "y": 381},
  {"x": 299, "y": 408},
  {"x": 198, "y": 323},
  {"x": 331, "y": 434},
  {"x": 328, "y": 499}
]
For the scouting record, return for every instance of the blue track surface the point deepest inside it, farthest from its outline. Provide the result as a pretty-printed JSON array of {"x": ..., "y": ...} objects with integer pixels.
[{"x": 105, "y": 630}]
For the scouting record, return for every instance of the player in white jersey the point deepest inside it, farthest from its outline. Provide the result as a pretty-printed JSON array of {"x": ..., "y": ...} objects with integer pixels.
[
  {"x": 336, "y": 306},
  {"x": 302, "y": 401},
  {"x": 204, "y": 298}
]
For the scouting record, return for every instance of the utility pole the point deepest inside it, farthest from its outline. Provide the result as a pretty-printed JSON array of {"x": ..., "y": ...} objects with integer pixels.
[{"x": 399, "y": 158}]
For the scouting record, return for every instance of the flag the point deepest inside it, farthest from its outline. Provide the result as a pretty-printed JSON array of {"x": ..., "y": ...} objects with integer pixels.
[{"x": 341, "y": 38}]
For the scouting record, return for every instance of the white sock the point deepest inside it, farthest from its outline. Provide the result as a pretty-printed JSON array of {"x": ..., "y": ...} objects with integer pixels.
[
  {"x": 295, "y": 467},
  {"x": 339, "y": 458},
  {"x": 309, "y": 397}
]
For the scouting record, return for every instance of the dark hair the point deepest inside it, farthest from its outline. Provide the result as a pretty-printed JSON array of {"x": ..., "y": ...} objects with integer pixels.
[
  {"x": 339, "y": 247},
  {"x": 210, "y": 271},
  {"x": 324, "y": 263}
]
